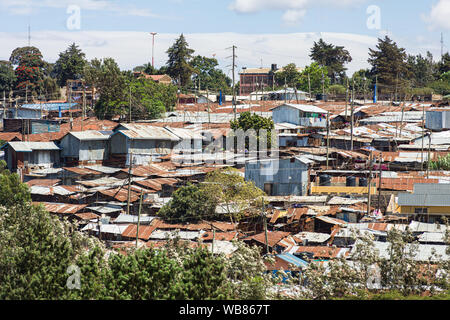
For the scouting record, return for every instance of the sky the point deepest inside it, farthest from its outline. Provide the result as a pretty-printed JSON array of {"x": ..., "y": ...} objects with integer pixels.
[{"x": 265, "y": 32}]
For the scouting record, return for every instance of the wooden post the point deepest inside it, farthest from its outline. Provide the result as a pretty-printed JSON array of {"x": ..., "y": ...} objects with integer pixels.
[
  {"x": 369, "y": 185},
  {"x": 265, "y": 225},
  {"x": 328, "y": 137},
  {"x": 429, "y": 155},
  {"x": 129, "y": 182},
  {"x": 139, "y": 219},
  {"x": 379, "y": 181}
]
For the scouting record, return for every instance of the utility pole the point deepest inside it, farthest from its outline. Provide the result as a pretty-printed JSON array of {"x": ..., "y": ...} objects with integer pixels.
[
  {"x": 379, "y": 181},
  {"x": 346, "y": 97},
  {"x": 129, "y": 103},
  {"x": 214, "y": 239},
  {"x": 139, "y": 219},
  {"x": 309, "y": 87},
  {"x": 129, "y": 182},
  {"x": 153, "y": 48},
  {"x": 26, "y": 93},
  {"x": 401, "y": 121},
  {"x": 369, "y": 185},
  {"x": 328, "y": 137},
  {"x": 4, "y": 104},
  {"x": 352, "y": 115},
  {"x": 84, "y": 106},
  {"x": 423, "y": 133},
  {"x": 265, "y": 225},
  {"x": 429, "y": 155},
  {"x": 207, "y": 98},
  {"x": 70, "y": 107},
  {"x": 233, "y": 66},
  {"x": 285, "y": 90}
]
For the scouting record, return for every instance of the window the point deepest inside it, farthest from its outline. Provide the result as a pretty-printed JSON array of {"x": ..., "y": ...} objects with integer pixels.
[{"x": 421, "y": 210}]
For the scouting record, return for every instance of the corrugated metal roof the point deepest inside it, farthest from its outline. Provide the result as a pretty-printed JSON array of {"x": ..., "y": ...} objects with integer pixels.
[
  {"x": 304, "y": 108},
  {"x": 146, "y": 132},
  {"x": 185, "y": 133},
  {"x": 128, "y": 218},
  {"x": 25, "y": 146},
  {"x": 90, "y": 135},
  {"x": 144, "y": 231},
  {"x": 290, "y": 258},
  {"x": 63, "y": 207}
]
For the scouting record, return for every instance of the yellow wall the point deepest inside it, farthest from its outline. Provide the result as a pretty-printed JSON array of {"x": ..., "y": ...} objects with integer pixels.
[
  {"x": 431, "y": 210},
  {"x": 342, "y": 189}
]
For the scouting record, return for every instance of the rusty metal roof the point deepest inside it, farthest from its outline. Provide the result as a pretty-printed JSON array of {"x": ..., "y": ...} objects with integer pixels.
[
  {"x": 273, "y": 237},
  {"x": 62, "y": 207},
  {"x": 43, "y": 182},
  {"x": 144, "y": 231},
  {"x": 82, "y": 171}
]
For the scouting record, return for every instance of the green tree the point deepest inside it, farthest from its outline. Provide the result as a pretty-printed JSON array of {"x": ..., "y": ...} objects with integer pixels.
[
  {"x": 70, "y": 65},
  {"x": 289, "y": 76},
  {"x": 12, "y": 191},
  {"x": 422, "y": 69},
  {"x": 106, "y": 76},
  {"x": 248, "y": 121},
  {"x": 389, "y": 64},
  {"x": 204, "y": 276},
  {"x": 232, "y": 192},
  {"x": 189, "y": 204},
  {"x": 178, "y": 65},
  {"x": 209, "y": 76},
  {"x": 30, "y": 69},
  {"x": 316, "y": 75},
  {"x": 7, "y": 77},
  {"x": 331, "y": 56}
]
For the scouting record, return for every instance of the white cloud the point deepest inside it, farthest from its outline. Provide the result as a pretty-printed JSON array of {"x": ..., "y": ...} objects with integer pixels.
[
  {"x": 439, "y": 16},
  {"x": 293, "y": 10},
  {"x": 292, "y": 16},
  {"x": 131, "y": 49}
]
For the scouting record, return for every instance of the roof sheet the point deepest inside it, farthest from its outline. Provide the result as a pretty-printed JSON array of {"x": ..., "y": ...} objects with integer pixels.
[
  {"x": 147, "y": 132},
  {"x": 25, "y": 146}
]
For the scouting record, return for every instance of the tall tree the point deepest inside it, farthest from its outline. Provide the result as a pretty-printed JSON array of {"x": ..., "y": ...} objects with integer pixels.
[
  {"x": 7, "y": 77},
  {"x": 331, "y": 56},
  {"x": 30, "y": 69},
  {"x": 178, "y": 65},
  {"x": 70, "y": 65},
  {"x": 209, "y": 76},
  {"x": 422, "y": 69},
  {"x": 106, "y": 76},
  {"x": 289, "y": 75},
  {"x": 313, "y": 75},
  {"x": 389, "y": 64}
]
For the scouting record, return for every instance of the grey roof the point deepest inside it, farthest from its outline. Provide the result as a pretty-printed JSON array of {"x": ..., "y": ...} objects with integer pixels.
[
  {"x": 128, "y": 218},
  {"x": 26, "y": 146},
  {"x": 303, "y": 107},
  {"x": 426, "y": 194},
  {"x": 185, "y": 133},
  {"x": 424, "y": 251},
  {"x": 146, "y": 132},
  {"x": 426, "y": 200},
  {"x": 49, "y": 106},
  {"x": 90, "y": 135}
]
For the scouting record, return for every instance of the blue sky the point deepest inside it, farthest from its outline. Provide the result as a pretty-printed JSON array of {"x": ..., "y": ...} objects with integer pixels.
[{"x": 280, "y": 31}]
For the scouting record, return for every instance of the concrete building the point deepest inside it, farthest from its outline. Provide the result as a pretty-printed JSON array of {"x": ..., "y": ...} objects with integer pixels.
[{"x": 280, "y": 177}]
